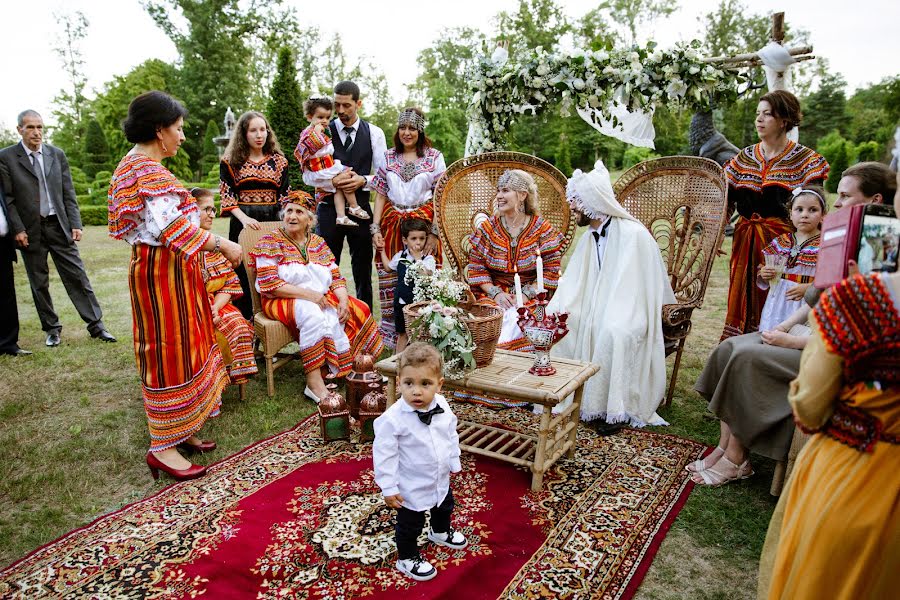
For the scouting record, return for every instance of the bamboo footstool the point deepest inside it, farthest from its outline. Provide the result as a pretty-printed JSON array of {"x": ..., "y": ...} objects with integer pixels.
[{"x": 508, "y": 377}]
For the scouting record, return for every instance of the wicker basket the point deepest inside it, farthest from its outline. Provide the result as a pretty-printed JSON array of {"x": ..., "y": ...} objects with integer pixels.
[{"x": 484, "y": 325}]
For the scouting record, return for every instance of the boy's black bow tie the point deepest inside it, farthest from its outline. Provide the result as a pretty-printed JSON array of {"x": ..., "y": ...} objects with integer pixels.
[{"x": 426, "y": 416}]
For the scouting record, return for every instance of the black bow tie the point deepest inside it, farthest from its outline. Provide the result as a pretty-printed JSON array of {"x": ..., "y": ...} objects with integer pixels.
[{"x": 426, "y": 416}]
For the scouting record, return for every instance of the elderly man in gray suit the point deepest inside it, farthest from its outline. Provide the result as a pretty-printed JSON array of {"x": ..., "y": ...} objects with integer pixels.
[{"x": 43, "y": 214}]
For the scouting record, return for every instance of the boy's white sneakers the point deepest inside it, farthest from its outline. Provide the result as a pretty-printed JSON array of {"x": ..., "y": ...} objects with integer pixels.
[
  {"x": 417, "y": 568},
  {"x": 451, "y": 539}
]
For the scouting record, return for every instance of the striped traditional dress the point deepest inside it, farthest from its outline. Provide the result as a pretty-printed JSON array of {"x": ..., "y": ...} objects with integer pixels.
[
  {"x": 760, "y": 190},
  {"x": 409, "y": 188},
  {"x": 800, "y": 268},
  {"x": 233, "y": 332},
  {"x": 323, "y": 339},
  {"x": 180, "y": 365},
  {"x": 494, "y": 258}
]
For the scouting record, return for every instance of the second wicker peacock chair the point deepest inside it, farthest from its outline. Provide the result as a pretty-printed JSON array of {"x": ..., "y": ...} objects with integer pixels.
[
  {"x": 464, "y": 197},
  {"x": 682, "y": 200}
]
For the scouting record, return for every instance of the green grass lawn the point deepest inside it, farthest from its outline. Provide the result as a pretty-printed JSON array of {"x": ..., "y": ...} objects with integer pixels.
[{"x": 73, "y": 435}]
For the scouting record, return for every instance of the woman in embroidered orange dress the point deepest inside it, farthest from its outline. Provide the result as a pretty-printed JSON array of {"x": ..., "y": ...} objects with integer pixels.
[
  {"x": 760, "y": 180},
  {"x": 253, "y": 181},
  {"x": 836, "y": 531},
  {"x": 234, "y": 333},
  {"x": 405, "y": 190},
  {"x": 181, "y": 367},
  {"x": 302, "y": 286}
]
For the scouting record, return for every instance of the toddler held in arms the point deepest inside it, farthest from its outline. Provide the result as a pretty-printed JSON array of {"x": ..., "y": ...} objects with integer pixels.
[
  {"x": 791, "y": 258},
  {"x": 315, "y": 152},
  {"x": 416, "y": 448},
  {"x": 415, "y": 234}
]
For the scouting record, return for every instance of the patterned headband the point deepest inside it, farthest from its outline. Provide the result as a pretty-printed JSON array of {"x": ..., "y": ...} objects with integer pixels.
[
  {"x": 513, "y": 181},
  {"x": 299, "y": 197},
  {"x": 799, "y": 190},
  {"x": 411, "y": 118}
]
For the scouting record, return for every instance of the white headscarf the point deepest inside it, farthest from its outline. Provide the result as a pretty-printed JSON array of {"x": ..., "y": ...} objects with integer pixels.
[{"x": 592, "y": 195}]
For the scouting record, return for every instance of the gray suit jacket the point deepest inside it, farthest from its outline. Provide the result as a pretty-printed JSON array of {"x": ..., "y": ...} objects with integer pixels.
[{"x": 23, "y": 198}]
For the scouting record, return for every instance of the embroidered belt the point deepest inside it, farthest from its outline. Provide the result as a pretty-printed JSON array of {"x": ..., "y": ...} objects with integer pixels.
[
  {"x": 798, "y": 278},
  {"x": 854, "y": 427}
]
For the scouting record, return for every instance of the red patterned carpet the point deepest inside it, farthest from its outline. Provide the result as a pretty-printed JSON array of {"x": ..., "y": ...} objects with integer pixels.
[{"x": 292, "y": 517}]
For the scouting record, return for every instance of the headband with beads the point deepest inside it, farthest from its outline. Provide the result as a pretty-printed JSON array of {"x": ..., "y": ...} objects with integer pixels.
[
  {"x": 514, "y": 181},
  {"x": 411, "y": 118}
]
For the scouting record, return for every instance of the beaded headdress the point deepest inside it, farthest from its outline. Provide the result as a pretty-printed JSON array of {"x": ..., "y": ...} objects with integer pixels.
[
  {"x": 299, "y": 197},
  {"x": 411, "y": 118},
  {"x": 512, "y": 180}
]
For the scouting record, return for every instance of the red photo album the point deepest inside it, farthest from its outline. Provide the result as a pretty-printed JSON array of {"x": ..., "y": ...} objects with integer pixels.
[{"x": 868, "y": 234}]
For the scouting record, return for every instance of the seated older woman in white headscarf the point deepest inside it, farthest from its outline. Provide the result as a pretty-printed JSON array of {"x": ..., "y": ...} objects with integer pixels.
[{"x": 613, "y": 289}]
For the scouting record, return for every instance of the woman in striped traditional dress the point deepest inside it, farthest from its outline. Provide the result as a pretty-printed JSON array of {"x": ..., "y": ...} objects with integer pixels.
[
  {"x": 302, "y": 286},
  {"x": 760, "y": 180},
  {"x": 405, "y": 190},
  {"x": 253, "y": 181},
  {"x": 510, "y": 242},
  {"x": 181, "y": 367},
  {"x": 234, "y": 333}
]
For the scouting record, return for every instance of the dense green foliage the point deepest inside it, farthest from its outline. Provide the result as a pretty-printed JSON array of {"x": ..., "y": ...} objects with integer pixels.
[
  {"x": 210, "y": 157},
  {"x": 96, "y": 150},
  {"x": 285, "y": 111}
]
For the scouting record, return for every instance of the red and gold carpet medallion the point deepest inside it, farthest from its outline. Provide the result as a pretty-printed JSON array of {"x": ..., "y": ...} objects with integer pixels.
[{"x": 292, "y": 517}]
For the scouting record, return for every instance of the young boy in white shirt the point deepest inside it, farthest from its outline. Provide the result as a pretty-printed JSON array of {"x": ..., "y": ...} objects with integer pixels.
[{"x": 416, "y": 448}]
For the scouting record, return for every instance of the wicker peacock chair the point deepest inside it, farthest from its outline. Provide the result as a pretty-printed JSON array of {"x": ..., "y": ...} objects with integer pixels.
[
  {"x": 682, "y": 201},
  {"x": 464, "y": 197}
]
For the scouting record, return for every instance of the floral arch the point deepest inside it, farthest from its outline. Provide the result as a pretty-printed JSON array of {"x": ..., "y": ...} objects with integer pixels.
[{"x": 614, "y": 91}]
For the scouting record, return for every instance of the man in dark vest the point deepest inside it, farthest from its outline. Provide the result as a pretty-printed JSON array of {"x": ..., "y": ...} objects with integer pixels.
[{"x": 361, "y": 146}]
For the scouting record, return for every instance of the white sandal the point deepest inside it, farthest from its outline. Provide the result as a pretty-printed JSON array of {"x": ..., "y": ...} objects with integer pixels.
[
  {"x": 701, "y": 465},
  {"x": 346, "y": 222},
  {"x": 713, "y": 478},
  {"x": 359, "y": 212}
]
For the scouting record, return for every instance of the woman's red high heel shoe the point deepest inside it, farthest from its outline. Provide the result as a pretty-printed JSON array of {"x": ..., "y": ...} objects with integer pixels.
[
  {"x": 204, "y": 446},
  {"x": 156, "y": 465}
]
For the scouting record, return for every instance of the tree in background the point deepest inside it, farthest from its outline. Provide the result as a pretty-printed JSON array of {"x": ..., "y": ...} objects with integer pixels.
[
  {"x": 70, "y": 103},
  {"x": 111, "y": 104},
  {"x": 212, "y": 38},
  {"x": 96, "y": 155},
  {"x": 826, "y": 107},
  {"x": 634, "y": 13},
  {"x": 285, "y": 111},
  {"x": 210, "y": 157},
  {"x": 441, "y": 87},
  {"x": 838, "y": 163}
]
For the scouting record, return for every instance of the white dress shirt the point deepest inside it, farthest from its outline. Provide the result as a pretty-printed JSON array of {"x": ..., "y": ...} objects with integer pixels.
[
  {"x": 4, "y": 224},
  {"x": 414, "y": 459},
  {"x": 601, "y": 243},
  {"x": 318, "y": 179},
  {"x": 40, "y": 160}
]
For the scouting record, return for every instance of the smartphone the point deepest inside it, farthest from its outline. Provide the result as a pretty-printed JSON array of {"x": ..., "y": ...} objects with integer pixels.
[{"x": 868, "y": 234}]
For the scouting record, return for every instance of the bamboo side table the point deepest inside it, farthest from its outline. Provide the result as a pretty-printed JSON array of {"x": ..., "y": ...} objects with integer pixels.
[{"x": 508, "y": 377}]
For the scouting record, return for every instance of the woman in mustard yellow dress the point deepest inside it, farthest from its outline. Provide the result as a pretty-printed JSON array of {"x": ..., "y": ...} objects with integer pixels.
[{"x": 836, "y": 531}]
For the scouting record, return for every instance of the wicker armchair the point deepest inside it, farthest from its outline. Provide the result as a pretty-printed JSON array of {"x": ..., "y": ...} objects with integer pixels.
[
  {"x": 464, "y": 197},
  {"x": 682, "y": 201},
  {"x": 272, "y": 335}
]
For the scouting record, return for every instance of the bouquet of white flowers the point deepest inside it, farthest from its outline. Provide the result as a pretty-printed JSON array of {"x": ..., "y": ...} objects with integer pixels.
[
  {"x": 438, "y": 318},
  {"x": 441, "y": 326}
]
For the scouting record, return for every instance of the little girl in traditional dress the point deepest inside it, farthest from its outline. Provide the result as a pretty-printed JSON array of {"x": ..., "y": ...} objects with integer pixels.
[
  {"x": 315, "y": 152},
  {"x": 798, "y": 251}
]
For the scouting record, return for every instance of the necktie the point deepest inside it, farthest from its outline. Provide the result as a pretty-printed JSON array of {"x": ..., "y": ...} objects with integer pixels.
[
  {"x": 42, "y": 185},
  {"x": 348, "y": 141},
  {"x": 597, "y": 235},
  {"x": 426, "y": 416}
]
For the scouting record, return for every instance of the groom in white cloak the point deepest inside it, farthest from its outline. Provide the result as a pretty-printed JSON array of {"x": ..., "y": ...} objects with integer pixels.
[{"x": 614, "y": 288}]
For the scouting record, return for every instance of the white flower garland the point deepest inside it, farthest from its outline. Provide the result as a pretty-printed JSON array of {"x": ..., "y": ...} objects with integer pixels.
[{"x": 639, "y": 79}]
